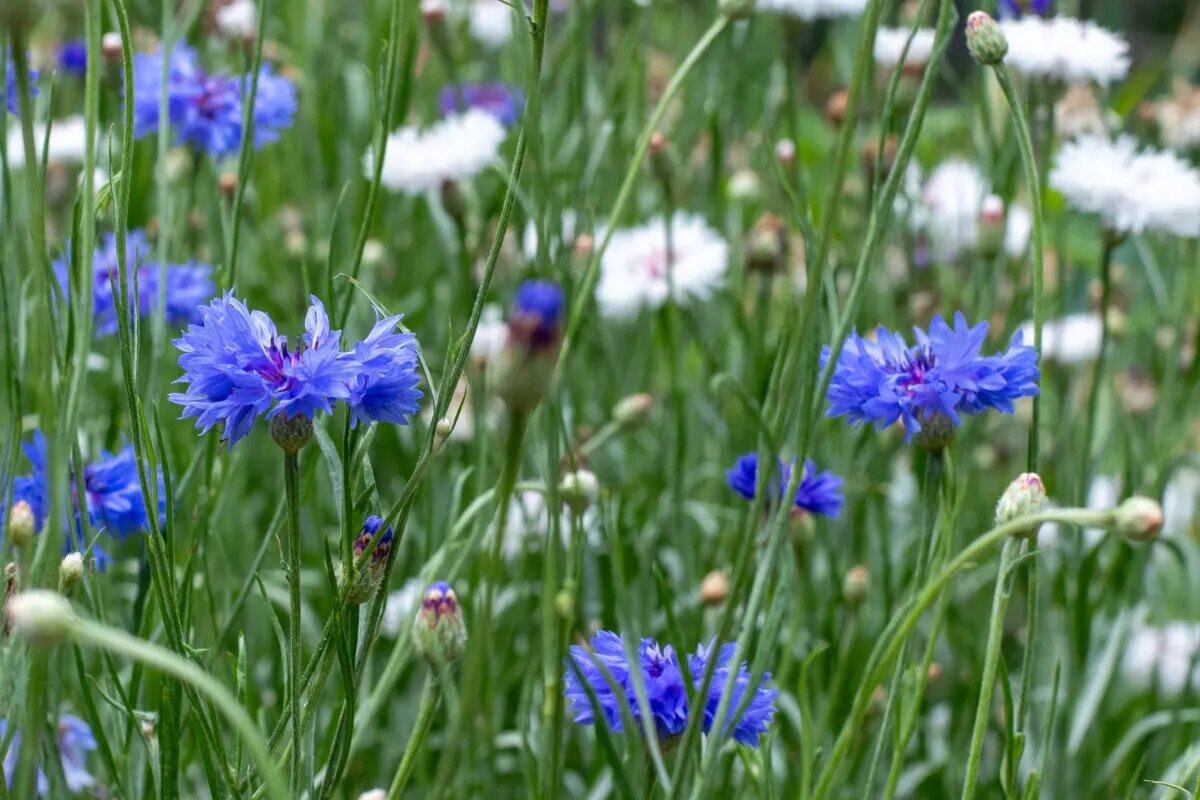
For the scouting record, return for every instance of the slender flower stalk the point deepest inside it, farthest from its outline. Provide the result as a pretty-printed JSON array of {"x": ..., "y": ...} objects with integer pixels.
[
  {"x": 291, "y": 479},
  {"x": 430, "y": 697}
]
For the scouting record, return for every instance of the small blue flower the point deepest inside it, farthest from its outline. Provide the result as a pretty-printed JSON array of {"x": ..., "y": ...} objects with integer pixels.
[
  {"x": 72, "y": 56},
  {"x": 818, "y": 492},
  {"x": 13, "y": 96},
  {"x": 385, "y": 388},
  {"x": 113, "y": 500},
  {"x": 206, "y": 111},
  {"x": 237, "y": 367},
  {"x": 188, "y": 286},
  {"x": 1009, "y": 9},
  {"x": 756, "y": 718},
  {"x": 371, "y": 526},
  {"x": 497, "y": 99},
  {"x": 662, "y": 677},
  {"x": 75, "y": 741},
  {"x": 937, "y": 380},
  {"x": 536, "y": 315}
]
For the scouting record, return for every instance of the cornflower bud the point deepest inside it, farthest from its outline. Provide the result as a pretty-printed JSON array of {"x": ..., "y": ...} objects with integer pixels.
[
  {"x": 70, "y": 570},
  {"x": 856, "y": 584},
  {"x": 714, "y": 588},
  {"x": 292, "y": 434},
  {"x": 40, "y": 615},
  {"x": 1025, "y": 495},
  {"x": 366, "y": 582},
  {"x": 526, "y": 365},
  {"x": 22, "y": 525},
  {"x": 985, "y": 40},
  {"x": 579, "y": 490},
  {"x": 633, "y": 411},
  {"x": 1139, "y": 519},
  {"x": 440, "y": 633}
]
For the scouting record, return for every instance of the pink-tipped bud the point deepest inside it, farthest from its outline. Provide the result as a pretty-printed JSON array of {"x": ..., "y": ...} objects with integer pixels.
[
  {"x": 985, "y": 40},
  {"x": 1024, "y": 496},
  {"x": 1139, "y": 519}
]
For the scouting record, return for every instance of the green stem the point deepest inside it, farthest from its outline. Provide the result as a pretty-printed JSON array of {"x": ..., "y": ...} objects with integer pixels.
[
  {"x": 888, "y": 646},
  {"x": 430, "y": 695},
  {"x": 96, "y": 635},
  {"x": 1089, "y": 430},
  {"x": 291, "y": 480},
  {"x": 991, "y": 662}
]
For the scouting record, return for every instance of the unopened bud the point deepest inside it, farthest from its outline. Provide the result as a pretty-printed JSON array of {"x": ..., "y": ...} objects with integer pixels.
[
  {"x": 1025, "y": 495},
  {"x": 714, "y": 588},
  {"x": 985, "y": 40},
  {"x": 767, "y": 245},
  {"x": 836, "y": 107},
  {"x": 991, "y": 226},
  {"x": 856, "y": 584},
  {"x": 365, "y": 582},
  {"x": 440, "y": 633},
  {"x": 373, "y": 253},
  {"x": 785, "y": 152},
  {"x": 1139, "y": 519},
  {"x": 633, "y": 411},
  {"x": 292, "y": 434},
  {"x": 564, "y": 603},
  {"x": 229, "y": 183},
  {"x": 662, "y": 160},
  {"x": 443, "y": 429},
  {"x": 584, "y": 244},
  {"x": 41, "y": 616},
  {"x": 70, "y": 570},
  {"x": 110, "y": 46},
  {"x": 744, "y": 186},
  {"x": 579, "y": 490},
  {"x": 21, "y": 523}
]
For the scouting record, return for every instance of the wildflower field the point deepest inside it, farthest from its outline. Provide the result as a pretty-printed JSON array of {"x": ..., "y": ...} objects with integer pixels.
[{"x": 600, "y": 399}]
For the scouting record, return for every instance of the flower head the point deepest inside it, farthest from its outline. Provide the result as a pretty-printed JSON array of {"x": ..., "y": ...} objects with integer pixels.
[
  {"x": 1131, "y": 191},
  {"x": 935, "y": 381},
  {"x": 636, "y": 272},
  {"x": 890, "y": 44},
  {"x": 525, "y": 367},
  {"x": 1065, "y": 49},
  {"x": 12, "y": 96},
  {"x": 75, "y": 741},
  {"x": 238, "y": 19},
  {"x": 535, "y": 319},
  {"x": 605, "y": 668},
  {"x": 440, "y": 632},
  {"x": 457, "y": 148},
  {"x": 385, "y": 387},
  {"x": 755, "y": 719},
  {"x": 809, "y": 10},
  {"x": 497, "y": 99},
  {"x": 72, "y": 56},
  {"x": 187, "y": 286},
  {"x": 818, "y": 492},
  {"x": 206, "y": 111}
]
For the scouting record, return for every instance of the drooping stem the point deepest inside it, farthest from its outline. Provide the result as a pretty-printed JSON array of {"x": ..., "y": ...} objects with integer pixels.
[
  {"x": 291, "y": 480},
  {"x": 991, "y": 662},
  {"x": 430, "y": 696}
]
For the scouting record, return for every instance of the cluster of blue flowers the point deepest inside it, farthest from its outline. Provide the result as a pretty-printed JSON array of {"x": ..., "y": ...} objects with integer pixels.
[
  {"x": 933, "y": 382},
  {"x": 206, "y": 111},
  {"x": 818, "y": 492},
  {"x": 187, "y": 286},
  {"x": 75, "y": 741},
  {"x": 604, "y": 669},
  {"x": 237, "y": 367},
  {"x": 497, "y": 99},
  {"x": 112, "y": 496},
  {"x": 12, "y": 98},
  {"x": 1017, "y": 8}
]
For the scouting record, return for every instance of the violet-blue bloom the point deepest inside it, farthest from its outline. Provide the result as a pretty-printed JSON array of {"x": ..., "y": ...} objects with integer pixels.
[
  {"x": 188, "y": 286},
  {"x": 385, "y": 388},
  {"x": 12, "y": 97},
  {"x": 941, "y": 377},
  {"x": 206, "y": 111},
  {"x": 662, "y": 677},
  {"x": 755, "y": 719},
  {"x": 497, "y": 99},
  {"x": 817, "y": 493},
  {"x": 1015, "y": 8},
  {"x": 72, "y": 56},
  {"x": 535, "y": 318},
  {"x": 75, "y": 741}
]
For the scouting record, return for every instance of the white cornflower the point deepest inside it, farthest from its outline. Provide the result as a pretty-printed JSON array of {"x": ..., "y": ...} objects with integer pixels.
[
  {"x": 1131, "y": 191},
  {"x": 491, "y": 22},
  {"x": 1073, "y": 339},
  {"x": 455, "y": 149},
  {"x": 68, "y": 141},
  {"x": 814, "y": 9},
  {"x": 889, "y": 45},
  {"x": 946, "y": 207},
  {"x": 238, "y": 20},
  {"x": 1162, "y": 657},
  {"x": 1065, "y": 49},
  {"x": 634, "y": 269}
]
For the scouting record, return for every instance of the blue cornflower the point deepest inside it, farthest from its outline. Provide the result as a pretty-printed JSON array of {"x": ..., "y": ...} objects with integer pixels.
[
  {"x": 1017, "y": 8},
  {"x": 536, "y": 316},
  {"x": 75, "y": 741},
  {"x": 188, "y": 286},
  {"x": 206, "y": 111},
  {"x": 13, "y": 98},
  {"x": 818, "y": 492},
  {"x": 756, "y": 717},
  {"x": 385, "y": 388},
  {"x": 497, "y": 99},
  {"x": 932, "y": 383},
  {"x": 666, "y": 692},
  {"x": 72, "y": 56}
]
